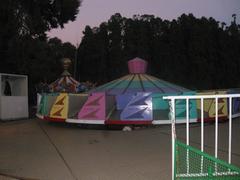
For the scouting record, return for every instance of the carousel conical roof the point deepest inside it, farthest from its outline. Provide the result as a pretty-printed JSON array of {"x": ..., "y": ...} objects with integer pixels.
[
  {"x": 66, "y": 83},
  {"x": 138, "y": 81}
]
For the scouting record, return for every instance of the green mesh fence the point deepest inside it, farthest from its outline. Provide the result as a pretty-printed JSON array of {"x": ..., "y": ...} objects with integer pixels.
[{"x": 190, "y": 163}]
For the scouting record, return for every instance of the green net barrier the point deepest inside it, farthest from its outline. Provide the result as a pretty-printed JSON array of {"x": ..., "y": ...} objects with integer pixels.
[{"x": 191, "y": 163}]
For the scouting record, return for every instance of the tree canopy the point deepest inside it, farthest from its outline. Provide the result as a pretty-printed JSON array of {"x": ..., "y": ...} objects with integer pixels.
[
  {"x": 34, "y": 18},
  {"x": 198, "y": 53},
  {"x": 24, "y": 45}
]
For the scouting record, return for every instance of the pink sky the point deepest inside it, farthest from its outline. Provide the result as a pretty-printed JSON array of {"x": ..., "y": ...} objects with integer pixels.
[{"x": 93, "y": 12}]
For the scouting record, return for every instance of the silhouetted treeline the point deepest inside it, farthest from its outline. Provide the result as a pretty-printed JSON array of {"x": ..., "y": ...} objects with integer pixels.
[
  {"x": 192, "y": 52},
  {"x": 24, "y": 45},
  {"x": 195, "y": 53}
]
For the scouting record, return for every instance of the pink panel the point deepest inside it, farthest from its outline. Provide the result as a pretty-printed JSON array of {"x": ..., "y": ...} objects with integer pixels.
[
  {"x": 137, "y": 66},
  {"x": 94, "y": 108}
]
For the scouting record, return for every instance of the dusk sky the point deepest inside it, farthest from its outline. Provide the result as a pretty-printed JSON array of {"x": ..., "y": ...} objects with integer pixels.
[{"x": 94, "y": 12}]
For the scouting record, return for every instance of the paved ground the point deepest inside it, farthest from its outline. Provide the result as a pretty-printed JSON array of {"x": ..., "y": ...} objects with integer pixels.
[{"x": 36, "y": 149}]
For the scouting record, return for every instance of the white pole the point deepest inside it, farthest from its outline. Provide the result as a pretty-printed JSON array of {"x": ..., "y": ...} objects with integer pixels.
[
  {"x": 230, "y": 131},
  {"x": 172, "y": 115},
  {"x": 202, "y": 125},
  {"x": 216, "y": 127},
  {"x": 216, "y": 131},
  {"x": 202, "y": 132},
  {"x": 187, "y": 131},
  {"x": 187, "y": 120}
]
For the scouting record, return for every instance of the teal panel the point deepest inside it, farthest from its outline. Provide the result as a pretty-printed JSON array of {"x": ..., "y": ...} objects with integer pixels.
[
  {"x": 135, "y": 84},
  {"x": 181, "y": 107},
  {"x": 160, "y": 104},
  {"x": 44, "y": 103},
  {"x": 148, "y": 84},
  {"x": 41, "y": 109},
  {"x": 160, "y": 114},
  {"x": 122, "y": 85}
]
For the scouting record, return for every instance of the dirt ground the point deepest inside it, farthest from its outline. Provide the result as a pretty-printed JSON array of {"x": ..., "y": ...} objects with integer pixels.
[{"x": 35, "y": 149}]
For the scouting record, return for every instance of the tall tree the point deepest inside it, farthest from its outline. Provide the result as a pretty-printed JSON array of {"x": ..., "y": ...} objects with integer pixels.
[
  {"x": 24, "y": 47},
  {"x": 198, "y": 53},
  {"x": 115, "y": 24},
  {"x": 24, "y": 19}
]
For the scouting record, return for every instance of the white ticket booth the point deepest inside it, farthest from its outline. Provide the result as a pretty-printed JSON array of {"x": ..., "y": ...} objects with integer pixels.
[{"x": 13, "y": 96}]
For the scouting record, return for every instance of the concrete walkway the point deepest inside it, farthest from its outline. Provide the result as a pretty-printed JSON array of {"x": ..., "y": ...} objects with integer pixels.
[{"x": 36, "y": 149}]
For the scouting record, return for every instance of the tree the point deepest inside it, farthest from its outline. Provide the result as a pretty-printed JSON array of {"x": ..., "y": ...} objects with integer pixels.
[
  {"x": 198, "y": 53},
  {"x": 24, "y": 19},
  {"x": 115, "y": 31},
  {"x": 34, "y": 18},
  {"x": 24, "y": 47}
]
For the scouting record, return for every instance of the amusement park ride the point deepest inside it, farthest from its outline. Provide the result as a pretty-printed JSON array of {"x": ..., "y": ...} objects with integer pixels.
[{"x": 136, "y": 98}]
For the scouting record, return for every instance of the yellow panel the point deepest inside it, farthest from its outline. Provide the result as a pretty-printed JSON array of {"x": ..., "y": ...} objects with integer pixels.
[
  {"x": 60, "y": 107},
  {"x": 209, "y": 104}
]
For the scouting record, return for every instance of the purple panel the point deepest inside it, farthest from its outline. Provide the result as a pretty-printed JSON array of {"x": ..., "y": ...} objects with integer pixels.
[
  {"x": 139, "y": 108},
  {"x": 236, "y": 105},
  {"x": 137, "y": 113},
  {"x": 235, "y": 101},
  {"x": 123, "y": 100},
  {"x": 142, "y": 99}
]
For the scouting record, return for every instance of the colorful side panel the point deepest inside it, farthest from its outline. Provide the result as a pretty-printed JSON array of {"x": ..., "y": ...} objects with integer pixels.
[
  {"x": 41, "y": 104},
  {"x": 45, "y": 102},
  {"x": 110, "y": 106},
  {"x": 181, "y": 108},
  {"x": 123, "y": 100},
  {"x": 139, "y": 108},
  {"x": 60, "y": 107},
  {"x": 209, "y": 106},
  {"x": 94, "y": 108},
  {"x": 161, "y": 107},
  {"x": 76, "y": 102},
  {"x": 235, "y": 102}
]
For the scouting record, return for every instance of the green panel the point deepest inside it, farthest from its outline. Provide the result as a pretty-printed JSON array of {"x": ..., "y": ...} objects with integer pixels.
[
  {"x": 191, "y": 163},
  {"x": 181, "y": 107},
  {"x": 148, "y": 84},
  {"x": 160, "y": 115},
  {"x": 43, "y": 108},
  {"x": 122, "y": 85},
  {"x": 135, "y": 84},
  {"x": 160, "y": 104}
]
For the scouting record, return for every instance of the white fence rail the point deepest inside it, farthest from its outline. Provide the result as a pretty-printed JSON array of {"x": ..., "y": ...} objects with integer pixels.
[{"x": 172, "y": 100}]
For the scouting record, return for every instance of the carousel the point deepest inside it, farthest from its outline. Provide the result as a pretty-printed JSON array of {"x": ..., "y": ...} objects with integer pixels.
[{"x": 136, "y": 98}]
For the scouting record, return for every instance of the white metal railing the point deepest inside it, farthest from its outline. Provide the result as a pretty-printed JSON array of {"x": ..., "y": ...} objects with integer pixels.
[{"x": 172, "y": 100}]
